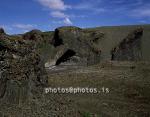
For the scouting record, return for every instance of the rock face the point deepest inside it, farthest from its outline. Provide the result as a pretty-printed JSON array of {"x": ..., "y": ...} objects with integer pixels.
[
  {"x": 76, "y": 45},
  {"x": 33, "y": 35},
  {"x": 88, "y": 47},
  {"x": 94, "y": 45},
  {"x": 21, "y": 72},
  {"x": 130, "y": 48},
  {"x": 2, "y": 31},
  {"x": 23, "y": 79}
]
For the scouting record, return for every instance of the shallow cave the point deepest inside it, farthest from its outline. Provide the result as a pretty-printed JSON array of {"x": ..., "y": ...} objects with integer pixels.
[{"x": 65, "y": 57}]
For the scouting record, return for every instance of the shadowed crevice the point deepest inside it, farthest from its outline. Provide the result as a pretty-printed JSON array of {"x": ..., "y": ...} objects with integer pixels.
[
  {"x": 66, "y": 56},
  {"x": 57, "y": 41}
]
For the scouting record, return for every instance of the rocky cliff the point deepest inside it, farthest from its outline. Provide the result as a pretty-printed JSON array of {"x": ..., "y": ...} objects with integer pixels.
[
  {"x": 23, "y": 78},
  {"x": 130, "y": 48},
  {"x": 76, "y": 46},
  {"x": 21, "y": 72}
]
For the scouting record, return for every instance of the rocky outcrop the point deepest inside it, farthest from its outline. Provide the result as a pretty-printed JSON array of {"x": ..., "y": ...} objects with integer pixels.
[
  {"x": 33, "y": 35},
  {"x": 23, "y": 79},
  {"x": 19, "y": 59},
  {"x": 130, "y": 48},
  {"x": 81, "y": 43},
  {"x": 21, "y": 72}
]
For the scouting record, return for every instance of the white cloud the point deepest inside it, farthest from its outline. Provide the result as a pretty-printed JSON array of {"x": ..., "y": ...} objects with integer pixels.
[
  {"x": 145, "y": 12},
  {"x": 90, "y": 6},
  {"x": 67, "y": 21},
  {"x": 56, "y": 7},
  {"x": 143, "y": 21},
  {"x": 6, "y": 27},
  {"x": 77, "y": 16},
  {"x": 65, "y": 18},
  {"x": 141, "y": 12},
  {"x": 58, "y": 14},
  {"x": 54, "y": 4},
  {"x": 83, "y": 6},
  {"x": 57, "y": 22},
  {"x": 24, "y": 26}
]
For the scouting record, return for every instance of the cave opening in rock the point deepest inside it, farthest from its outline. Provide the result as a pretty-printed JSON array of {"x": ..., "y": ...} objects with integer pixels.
[{"x": 66, "y": 56}]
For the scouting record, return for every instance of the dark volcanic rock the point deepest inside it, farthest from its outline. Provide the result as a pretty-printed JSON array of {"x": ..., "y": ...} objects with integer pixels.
[
  {"x": 22, "y": 82},
  {"x": 34, "y": 35},
  {"x": 129, "y": 48},
  {"x": 2, "y": 31},
  {"x": 82, "y": 43},
  {"x": 57, "y": 41},
  {"x": 21, "y": 71},
  {"x": 19, "y": 62}
]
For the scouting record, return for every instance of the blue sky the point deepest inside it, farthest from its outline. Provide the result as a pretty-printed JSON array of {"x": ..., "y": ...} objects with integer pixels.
[{"x": 19, "y": 16}]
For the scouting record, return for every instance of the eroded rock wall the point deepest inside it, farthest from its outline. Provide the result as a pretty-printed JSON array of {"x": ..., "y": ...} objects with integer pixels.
[
  {"x": 130, "y": 48},
  {"x": 23, "y": 79},
  {"x": 82, "y": 43}
]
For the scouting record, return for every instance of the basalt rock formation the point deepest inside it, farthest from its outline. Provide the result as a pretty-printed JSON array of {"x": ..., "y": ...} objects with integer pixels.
[
  {"x": 23, "y": 79},
  {"x": 91, "y": 46},
  {"x": 130, "y": 48},
  {"x": 76, "y": 45},
  {"x": 21, "y": 71}
]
